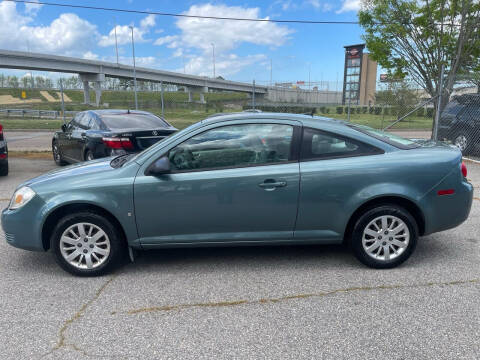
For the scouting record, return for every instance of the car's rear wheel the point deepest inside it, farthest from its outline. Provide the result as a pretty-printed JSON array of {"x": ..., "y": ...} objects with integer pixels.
[
  {"x": 384, "y": 237},
  {"x": 4, "y": 169},
  {"x": 463, "y": 141},
  {"x": 89, "y": 155},
  {"x": 57, "y": 155},
  {"x": 87, "y": 244}
]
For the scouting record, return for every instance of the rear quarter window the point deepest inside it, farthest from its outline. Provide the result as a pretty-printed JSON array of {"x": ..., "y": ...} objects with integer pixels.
[{"x": 317, "y": 144}]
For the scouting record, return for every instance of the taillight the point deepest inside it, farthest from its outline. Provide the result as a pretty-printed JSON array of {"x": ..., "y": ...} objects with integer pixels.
[
  {"x": 118, "y": 143},
  {"x": 1, "y": 129},
  {"x": 464, "y": 170}
]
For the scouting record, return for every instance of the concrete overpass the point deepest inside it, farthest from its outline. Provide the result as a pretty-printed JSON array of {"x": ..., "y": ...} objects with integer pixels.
[{"x": 96, "y": 71}]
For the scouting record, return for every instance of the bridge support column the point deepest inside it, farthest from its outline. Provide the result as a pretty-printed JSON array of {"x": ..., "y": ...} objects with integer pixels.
[
  {"x": 202, "y": 94},
  {"x": 97, "y": 79},
  {"x": 86, "y": 92},
  {"x": 98, "y": 92},
  {"x": 190, "y": 95}
]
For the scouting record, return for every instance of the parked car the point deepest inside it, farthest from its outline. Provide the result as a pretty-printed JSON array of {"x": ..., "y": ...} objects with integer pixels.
[
  {"x": 3, "y": 154},
  {"x": 246, "y": 179},
  {"x": 100, "y": 133},
  {"x": 460, "y": 122}
]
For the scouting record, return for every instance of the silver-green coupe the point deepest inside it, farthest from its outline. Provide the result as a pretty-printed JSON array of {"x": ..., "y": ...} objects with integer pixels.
[{"x": 246, "y": 179}]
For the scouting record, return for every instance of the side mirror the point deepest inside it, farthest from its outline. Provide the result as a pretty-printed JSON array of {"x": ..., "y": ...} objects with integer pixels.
[
  {"x": 159, "y": 167},
  {"x": 64, "y": 127}
]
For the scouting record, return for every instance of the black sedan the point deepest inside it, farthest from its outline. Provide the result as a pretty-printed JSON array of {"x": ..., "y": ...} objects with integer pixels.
[
  {"x": 100, "y": 133},
  {"x": 3, "y": 154}
]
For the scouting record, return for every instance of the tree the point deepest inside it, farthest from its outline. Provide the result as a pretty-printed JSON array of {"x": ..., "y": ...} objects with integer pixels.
[
  {"x": 12, "y": 81},
  {"x": 399, "y": 96},
  {"x": 414, "y": 38}
]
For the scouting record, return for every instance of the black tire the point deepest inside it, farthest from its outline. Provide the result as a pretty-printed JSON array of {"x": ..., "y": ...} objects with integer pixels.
[
  {"x": 57, "y": 155},
  {"x": 4, "y": 169},
  {"x": 464, "y": 142},
  {"x": 365, "y": 219},
  {"x": 89, "y": 155},
  {"x": 117, "y": 251}
]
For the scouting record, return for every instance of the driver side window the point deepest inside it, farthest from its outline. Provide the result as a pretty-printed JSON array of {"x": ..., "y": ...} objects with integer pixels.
[{"x": 234, "y": 146}]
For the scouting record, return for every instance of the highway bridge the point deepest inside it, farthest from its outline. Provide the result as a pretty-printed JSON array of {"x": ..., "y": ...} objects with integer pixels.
[{"x": 94, "y": 71}]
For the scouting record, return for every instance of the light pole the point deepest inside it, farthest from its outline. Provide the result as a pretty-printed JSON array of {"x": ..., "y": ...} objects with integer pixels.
[
  {"x": 134, "y": 71},
  {"x": 213, "y": 55},
  {"x": 116, "y": 43}
]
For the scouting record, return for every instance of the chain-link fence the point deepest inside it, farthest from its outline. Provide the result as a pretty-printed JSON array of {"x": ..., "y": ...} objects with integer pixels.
[{"x": 395, "y": 106}]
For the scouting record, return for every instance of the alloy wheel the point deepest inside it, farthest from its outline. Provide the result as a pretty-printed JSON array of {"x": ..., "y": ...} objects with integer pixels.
[
  {"x": 56, "y": 153},
  {"x": 85, "y": 245},
  {"x": 461, "y": 142},
  {"x": 385, "y": 237}
]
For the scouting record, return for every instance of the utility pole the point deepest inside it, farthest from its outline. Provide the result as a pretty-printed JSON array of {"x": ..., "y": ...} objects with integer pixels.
[
  {"x": 134, "y": 71},
  {"x": 213, "y": 54},
  {"x": 309, "y": 65},
  {"x": 271, "y": 84},
  {"x": 116, "y": 43}
]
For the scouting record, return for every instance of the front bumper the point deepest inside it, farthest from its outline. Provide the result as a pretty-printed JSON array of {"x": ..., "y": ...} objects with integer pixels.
[{"x": 23, "y": 227}]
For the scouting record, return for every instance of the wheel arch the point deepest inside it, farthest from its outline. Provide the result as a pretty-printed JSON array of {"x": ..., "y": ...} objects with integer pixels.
[
  {"x": 53, "y": 217},
  {"x": 408, "y": 204}
]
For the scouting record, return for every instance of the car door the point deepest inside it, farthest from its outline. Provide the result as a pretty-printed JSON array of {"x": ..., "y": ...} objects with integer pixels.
[
  {"x": 79, "y": 136},
  {"x": 65, "y": 139},
  {"x": 333, "y": 169},
  {"x": 231, "y": 183}
]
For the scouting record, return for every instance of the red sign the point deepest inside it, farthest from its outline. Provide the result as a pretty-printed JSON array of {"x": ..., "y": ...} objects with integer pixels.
[{"x": 300, "y": 82}]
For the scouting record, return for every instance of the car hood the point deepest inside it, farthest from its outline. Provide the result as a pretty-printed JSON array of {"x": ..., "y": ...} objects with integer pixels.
[{"x": 73, "y": 171}]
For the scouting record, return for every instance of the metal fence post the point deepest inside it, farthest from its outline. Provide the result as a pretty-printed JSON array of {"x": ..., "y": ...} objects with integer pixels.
[
  {"x": 349, "y": 101},
  {"x": 439, "y": 104},
  {"x": 253, "y": 95},
  {"x": 63, "y": 103},
  {"x": 161, "y": 97}
]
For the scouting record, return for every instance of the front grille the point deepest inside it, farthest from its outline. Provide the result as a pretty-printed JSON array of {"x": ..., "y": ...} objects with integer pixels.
[
  {"x": 9, "y": 237},
  {"x": 147, "y": 141}
]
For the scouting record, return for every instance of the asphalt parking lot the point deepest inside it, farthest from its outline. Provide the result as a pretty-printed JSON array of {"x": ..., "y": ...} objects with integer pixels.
[{"x": 267, "y": 302}]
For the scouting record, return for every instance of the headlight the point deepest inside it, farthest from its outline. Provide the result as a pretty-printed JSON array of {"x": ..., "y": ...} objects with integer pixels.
[{"x": 21, "y": 197}]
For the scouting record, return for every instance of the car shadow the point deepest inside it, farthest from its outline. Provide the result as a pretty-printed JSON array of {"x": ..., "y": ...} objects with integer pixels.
[{"x": 241, "y": 257}]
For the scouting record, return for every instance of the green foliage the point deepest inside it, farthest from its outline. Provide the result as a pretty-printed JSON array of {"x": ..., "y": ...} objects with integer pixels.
[
  {"x": 420, "y": 112},
  {"x": 405, "y": 37},
  {"x": 430, "y": 112},
  {"x": 339, "y": 109}
]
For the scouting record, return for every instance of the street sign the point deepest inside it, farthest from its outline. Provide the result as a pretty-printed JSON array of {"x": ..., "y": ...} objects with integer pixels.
[{"x": 24, "y": 94}]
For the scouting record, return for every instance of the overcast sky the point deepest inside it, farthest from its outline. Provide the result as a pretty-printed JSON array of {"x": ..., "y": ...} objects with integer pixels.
[{"x": 243, "y": 49}]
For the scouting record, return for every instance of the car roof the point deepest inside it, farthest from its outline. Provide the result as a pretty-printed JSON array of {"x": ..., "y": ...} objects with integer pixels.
[
  {"x": 306, "y": 120},
  {"x": 119, "y": 112}
]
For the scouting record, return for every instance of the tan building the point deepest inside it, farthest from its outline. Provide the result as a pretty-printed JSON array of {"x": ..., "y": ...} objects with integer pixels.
[{"x": 360, "y": 77}]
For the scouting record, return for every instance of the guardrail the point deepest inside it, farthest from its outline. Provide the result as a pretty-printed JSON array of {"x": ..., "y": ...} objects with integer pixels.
[{"x": 40, "y": 114}]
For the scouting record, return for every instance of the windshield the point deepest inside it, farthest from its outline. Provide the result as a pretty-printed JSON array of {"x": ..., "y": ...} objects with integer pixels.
[
  {"x": 389, "y": 138},
  {"x": 133, "y": 121}
]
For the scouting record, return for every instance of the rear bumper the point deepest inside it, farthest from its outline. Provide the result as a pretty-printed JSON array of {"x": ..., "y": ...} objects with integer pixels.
[{"x": 447, "y": 211}]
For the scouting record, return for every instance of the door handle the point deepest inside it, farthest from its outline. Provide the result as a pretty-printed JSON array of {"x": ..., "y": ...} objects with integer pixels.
[{"x": 270, "y": 185}]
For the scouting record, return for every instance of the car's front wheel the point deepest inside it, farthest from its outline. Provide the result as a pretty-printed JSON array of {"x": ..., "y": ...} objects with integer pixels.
[
  {"x": 87, "y": 244},
  {"x": 57, "y": 155},
  {"x": 384, "y": 237}
]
